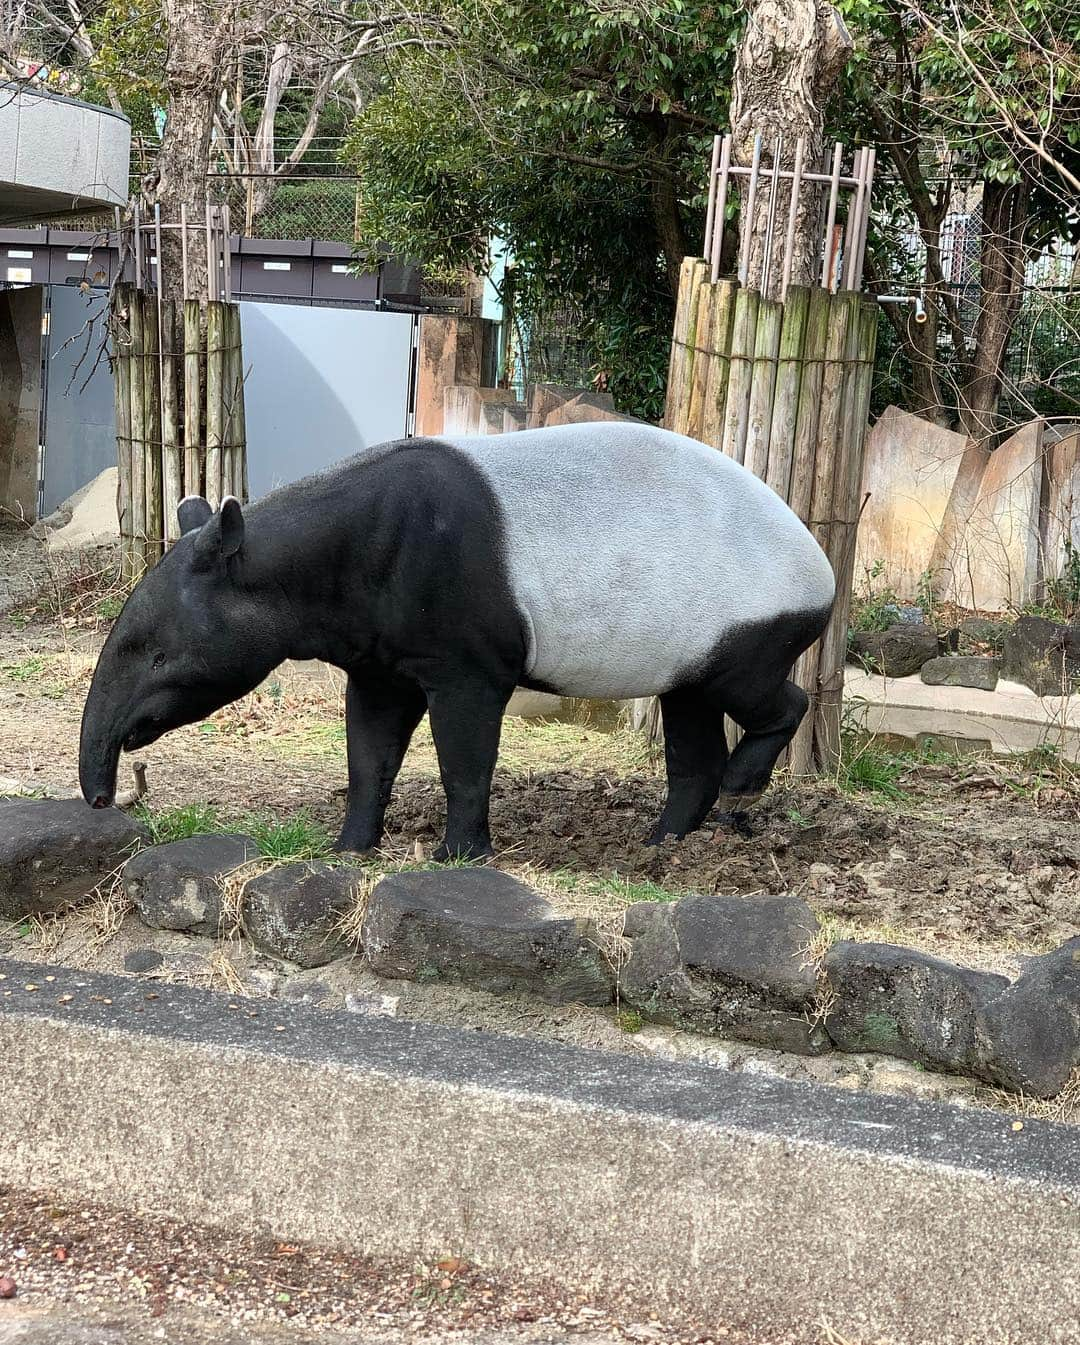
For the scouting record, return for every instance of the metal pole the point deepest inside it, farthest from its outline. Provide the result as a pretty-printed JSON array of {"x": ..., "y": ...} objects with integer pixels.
[
  {"x": 830, "y": 219},
  {"x": 766, "y": 260},
  {"x": 721, "y": 207},
  {"x": 860, "y": 256},
  {"x": 211, "y": 270},
  {"x": 136, "y": 219},
  {"x": 183, "y": 247},
  {"x": 712, "y": 195},
  {"x": 226, "y": 250},
  {"x": 851, "y": 231},
  {"x": 746, "y": 224},
  {"x": 793, "y": 211}
]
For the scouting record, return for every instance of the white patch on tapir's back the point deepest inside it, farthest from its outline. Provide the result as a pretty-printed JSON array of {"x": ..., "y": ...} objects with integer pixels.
[{"x": 633, "y": 551}]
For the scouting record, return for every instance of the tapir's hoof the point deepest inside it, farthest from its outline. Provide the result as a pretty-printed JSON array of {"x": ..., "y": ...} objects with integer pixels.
[
  {"x": 739, "y": 823},
  {"x": 348, "y": 845},
  {"x": 470, "y": 853}
]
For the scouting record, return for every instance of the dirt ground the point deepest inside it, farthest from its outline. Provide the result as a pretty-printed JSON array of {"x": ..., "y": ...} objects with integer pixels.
[{"x": 90, "y": 1276}]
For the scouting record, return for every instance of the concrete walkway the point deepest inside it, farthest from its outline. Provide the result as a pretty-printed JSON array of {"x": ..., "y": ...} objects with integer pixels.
[{"x": 696, "y": 1194}]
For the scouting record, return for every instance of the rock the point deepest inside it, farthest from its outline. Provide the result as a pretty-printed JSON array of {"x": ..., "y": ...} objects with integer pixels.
[
  {"x": 294, "y": 912},
  {"x": 1030, "y": 1034},
  {"x": 902, "y": 1002},
  {"x": 911, "y": 616},
  {"x": 180, "y": 885},
  {"x": 897, "y": 652},
  {"x": 482, "y": 928},
  {"x": 1043, "y": 655},
  {"x": 961, "y": 670},
  {"x": 54, "y": 851},
  {"x": 142, "y": 960},
  {"x": 984, "y": 630},
  {"x": 734, "y": 966}
]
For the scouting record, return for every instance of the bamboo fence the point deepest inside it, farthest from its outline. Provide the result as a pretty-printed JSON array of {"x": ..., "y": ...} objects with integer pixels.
[
  {"x": 180, "y": 428},
  {"x": 783, "y": 386},
  {"x": 178, "y": 380}
]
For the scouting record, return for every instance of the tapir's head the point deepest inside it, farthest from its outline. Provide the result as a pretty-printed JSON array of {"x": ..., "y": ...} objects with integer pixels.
[{"x": 190, "y": 639}]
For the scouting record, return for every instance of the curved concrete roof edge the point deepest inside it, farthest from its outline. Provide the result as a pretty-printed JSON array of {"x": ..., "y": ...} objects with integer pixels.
[{"x": 35, "y": 91}]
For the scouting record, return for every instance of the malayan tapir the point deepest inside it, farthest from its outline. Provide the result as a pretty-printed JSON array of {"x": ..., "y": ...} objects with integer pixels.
[{"x": 608, "y": 560}]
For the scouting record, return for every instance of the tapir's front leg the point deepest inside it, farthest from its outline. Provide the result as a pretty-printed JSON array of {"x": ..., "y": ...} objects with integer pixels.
[
  {"x": 466, "y": 721},
  {"x": 381, "y": 714}
]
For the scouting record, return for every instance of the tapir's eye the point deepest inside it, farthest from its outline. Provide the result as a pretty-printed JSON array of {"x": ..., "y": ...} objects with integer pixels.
[{"x": 159, "y": 659}]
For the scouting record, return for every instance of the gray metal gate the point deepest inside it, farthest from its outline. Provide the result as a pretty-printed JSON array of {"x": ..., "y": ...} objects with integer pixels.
[{"x": 79, "y": 419}]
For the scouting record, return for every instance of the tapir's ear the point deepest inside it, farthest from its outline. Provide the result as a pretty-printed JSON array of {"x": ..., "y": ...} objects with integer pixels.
[
  {"x": 221, "y": 536},
  {"x": 192, "y": 512}
]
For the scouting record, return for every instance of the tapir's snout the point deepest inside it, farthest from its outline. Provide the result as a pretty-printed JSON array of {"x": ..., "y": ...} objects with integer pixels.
[{"x": 100, "y": 801}]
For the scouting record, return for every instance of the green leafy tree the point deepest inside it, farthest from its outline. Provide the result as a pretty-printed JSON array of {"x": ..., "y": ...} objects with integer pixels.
[{"x": 576, "y": 133}]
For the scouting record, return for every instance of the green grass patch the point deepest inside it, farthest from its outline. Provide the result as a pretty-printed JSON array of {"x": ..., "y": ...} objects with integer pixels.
[
  {"x": 285, "y": 841},
  {"x": 177, "y": 824},
  {"x": 867, "y": 768}
]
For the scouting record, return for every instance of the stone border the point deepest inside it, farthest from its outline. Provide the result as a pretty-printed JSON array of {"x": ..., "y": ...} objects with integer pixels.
[
  {"x": 696, "y": 1194},
  {"x": 751, "y": 969}
]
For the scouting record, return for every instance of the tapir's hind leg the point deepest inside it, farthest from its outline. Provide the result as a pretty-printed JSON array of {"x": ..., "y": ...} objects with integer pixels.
[
  {"x": 381, "y": 715},
  {"x": 768, "y": 726},
  {"x": 696, "y": 754}
]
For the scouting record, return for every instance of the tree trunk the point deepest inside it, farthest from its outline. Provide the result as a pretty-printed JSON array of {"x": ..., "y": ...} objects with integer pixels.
[
  {"x": 790, "y": 57},
  {"x": 192, "y": 80},
  {"x": 1001, "y": 280},
  {"x": 667, "y": 217}
]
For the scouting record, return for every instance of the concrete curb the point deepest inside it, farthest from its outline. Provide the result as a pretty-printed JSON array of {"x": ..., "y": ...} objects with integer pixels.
[{"x": 692, "y": 1193}]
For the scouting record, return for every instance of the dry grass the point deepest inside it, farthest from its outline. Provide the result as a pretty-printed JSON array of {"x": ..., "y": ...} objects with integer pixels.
[{"x": 1065, "y": 1108}]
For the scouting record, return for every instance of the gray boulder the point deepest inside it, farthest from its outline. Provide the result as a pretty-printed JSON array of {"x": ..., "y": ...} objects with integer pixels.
[
  {"x": 897, "y": 652},
  {"x": 180, "y": 885},
  {"x": 54, "y": 851},
  {"x": 983, "y": 630},
  {"x": 902, "y": 1002},
  {"x": 961, "y": 670},
  {"x": 735, "y": 966},
  {"x": 294, "y": 912},
  {"x": 482, "y": 928},
  {"x": 1043, "y": 655},
  {"x": 1030, "y": 1034}
]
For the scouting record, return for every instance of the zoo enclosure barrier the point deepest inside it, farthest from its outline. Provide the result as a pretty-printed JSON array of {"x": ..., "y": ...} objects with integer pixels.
[
  {"x": 179, "y": 388},
  {"x": 783, "y": 385}
]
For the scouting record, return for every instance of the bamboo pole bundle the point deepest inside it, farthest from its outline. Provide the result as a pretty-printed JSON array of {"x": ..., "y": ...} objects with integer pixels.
[
  {"x": 171, "y": 374},
  {"x": 121, "y": 344},
  {"x": 741, "y": 363},
  {"x": 763, "y": 385},
  {"x": 702, "y": 356},
  {"x": 138, "y": 439},
  {"x": 677, "y": 407},
  {"x": 193, "y": 357},
  {"x": 716, "y": 388},
  {"x": 785, "y": 405},
  {"x": 155, "y": 530},
  {"x": 801, "y": 489},
  {"x": 215, "y": 401}
]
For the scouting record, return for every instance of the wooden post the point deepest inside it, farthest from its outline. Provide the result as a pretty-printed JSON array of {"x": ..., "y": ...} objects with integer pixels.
[
  {"x": 238, "y": 421},
  {"x": 138, "y": 439},
  {"x": 171, "y": 357},
  {"x": 702, "y": 360},
  {"x": 121, "y": 343},
  {"x": 763, "y": 386},
  {"x": 817, "y": 470},
  {"x": 737, "y": 410},
  {"x": 215, "y": 401},
  {"x": 677, "y": 405},
  {"x": 846, "y": 505},
  {"x": 785, "y": 406},
  {"x": 803, "y": 453},
  {"x": 193, "y": 445},
  {"x": 716, "y": 391},
  {"x": 155, "y": 520}
]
